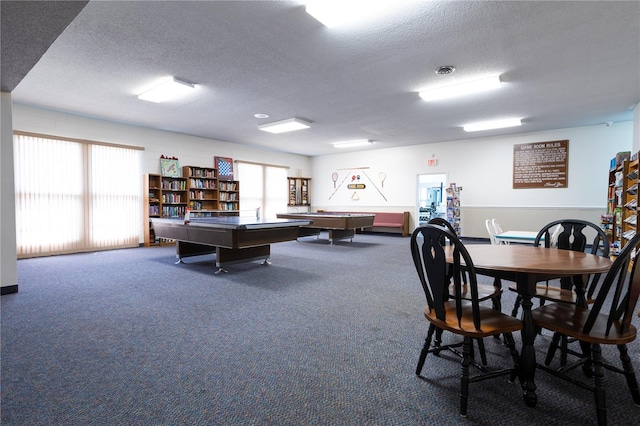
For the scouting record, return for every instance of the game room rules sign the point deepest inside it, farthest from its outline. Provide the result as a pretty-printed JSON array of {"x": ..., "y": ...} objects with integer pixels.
[{"x": 540, "y": 165}]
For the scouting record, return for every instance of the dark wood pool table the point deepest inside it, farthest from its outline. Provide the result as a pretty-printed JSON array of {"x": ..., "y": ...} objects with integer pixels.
[
  {"x": 233, "y": 239},
  {"x": 340, "y": 225}
]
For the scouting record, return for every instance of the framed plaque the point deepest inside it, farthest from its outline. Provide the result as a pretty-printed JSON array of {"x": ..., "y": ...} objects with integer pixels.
[
  {"x": 541, "y": 165},
  {"x": 225, "y": 167}
]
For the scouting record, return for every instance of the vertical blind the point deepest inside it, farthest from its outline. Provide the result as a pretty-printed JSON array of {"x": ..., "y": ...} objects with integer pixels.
[
  {"x": 263, "y": 186},
  {"x": 74, "y": 196}
]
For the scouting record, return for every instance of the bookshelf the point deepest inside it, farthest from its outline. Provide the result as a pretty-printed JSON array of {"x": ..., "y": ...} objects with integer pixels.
[
  {"x": 298, "y": 190},
  {"x": 620, "y": 220},
  {"x": 202, "y": 187},
  {"x": 229, "y": 193},
  {"x": 630, "y": 210},
  {"x": 163, "y": 197}
]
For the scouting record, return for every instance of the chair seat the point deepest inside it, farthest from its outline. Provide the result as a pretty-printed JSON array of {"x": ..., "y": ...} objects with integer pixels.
[
  {"x": 570, "y": 319},
  {"x": 554, "y": 294},
  {"x": 485, "y": 292},
  {"x": 493, "y": 322}
]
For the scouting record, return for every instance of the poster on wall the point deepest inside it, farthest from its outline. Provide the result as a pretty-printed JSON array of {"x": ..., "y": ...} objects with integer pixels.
[
  {"x": 541, "y": 165},
  {"x": 169, "y": 167},
  {"x": 225, "y": 167},
  {"x": 358, "y": 183}
]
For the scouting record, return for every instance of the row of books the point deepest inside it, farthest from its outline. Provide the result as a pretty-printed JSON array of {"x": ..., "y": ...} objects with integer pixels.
[
  {"x": 208, "y": 173},
  {"x": 229, "y": 206},
  {"x": 172, "y": 198},
  {"x": 173, "y": 211},
  {"x": 174, "y": 185},
  {"x": 228, "y": 186},
  {"x": 224, "y": 196},
  {"x": 200, "y": 195},
  {"x": 202, "y": 183}
]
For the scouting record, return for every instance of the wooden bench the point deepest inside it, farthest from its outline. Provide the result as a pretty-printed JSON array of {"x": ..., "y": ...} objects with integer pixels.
[{"x": 397, "y": 223}]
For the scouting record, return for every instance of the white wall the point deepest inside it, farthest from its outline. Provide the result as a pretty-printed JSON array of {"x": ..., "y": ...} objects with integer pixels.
[
  {"x": 483, "y": 167},
  {"x": 190, "y": 150}
]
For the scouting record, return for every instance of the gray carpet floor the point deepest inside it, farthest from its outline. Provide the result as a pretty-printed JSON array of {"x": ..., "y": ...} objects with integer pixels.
[{"x": 325, "y": 335}]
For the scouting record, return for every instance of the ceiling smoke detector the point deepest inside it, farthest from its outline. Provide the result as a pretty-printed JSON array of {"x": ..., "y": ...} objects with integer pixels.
[{"x": 446, "y": 69}]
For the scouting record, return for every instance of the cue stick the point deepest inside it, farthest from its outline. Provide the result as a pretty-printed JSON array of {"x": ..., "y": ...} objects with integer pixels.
[{"x": 374, "y": 185}]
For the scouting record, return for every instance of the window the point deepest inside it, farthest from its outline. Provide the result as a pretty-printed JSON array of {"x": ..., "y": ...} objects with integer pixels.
[
  {"x": 74, "y": 196},
  {"x": 262, "y": 186}
]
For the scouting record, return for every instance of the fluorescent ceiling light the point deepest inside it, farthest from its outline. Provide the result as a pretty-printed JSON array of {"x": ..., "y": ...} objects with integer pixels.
[
  {"x": 495, "y": 124},
  {"x": 166, "y": 89},
  {"x": 333, "y": 13},
  {"x": 466, "y": 88},
  {"x": 349, "y": 144},
  {"x": 282, "y": 126}
]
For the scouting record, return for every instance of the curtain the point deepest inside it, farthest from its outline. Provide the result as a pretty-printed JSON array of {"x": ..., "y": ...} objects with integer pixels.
[
  {"x": 262, "y": 186},
  {"x": 74, "y": 196}
]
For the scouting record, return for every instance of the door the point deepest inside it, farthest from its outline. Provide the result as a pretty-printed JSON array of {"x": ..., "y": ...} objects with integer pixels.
[{"x": 431, "y": 202}]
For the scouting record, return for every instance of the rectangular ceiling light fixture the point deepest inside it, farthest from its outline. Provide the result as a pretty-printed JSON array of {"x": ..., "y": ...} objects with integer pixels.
[
  {"x": 282, "y": 126},
  {"x": 490, "y": 125},
  {"x": 349, "y": 144},
  {"x": 167, "y": 89},
  {"x": 334, "y": 13},
  {"x": 461, "y": 89}
]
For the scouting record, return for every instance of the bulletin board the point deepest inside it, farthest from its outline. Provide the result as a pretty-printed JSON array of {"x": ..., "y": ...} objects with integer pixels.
[{"x": 541, "y": 165}]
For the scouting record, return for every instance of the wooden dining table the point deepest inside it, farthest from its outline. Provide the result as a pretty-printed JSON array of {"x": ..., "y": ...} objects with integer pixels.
[{"x": 526, "y": 266}]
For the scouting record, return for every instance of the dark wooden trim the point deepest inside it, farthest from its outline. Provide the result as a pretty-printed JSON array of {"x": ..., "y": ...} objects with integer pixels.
[{"x": 8, "y": 289}]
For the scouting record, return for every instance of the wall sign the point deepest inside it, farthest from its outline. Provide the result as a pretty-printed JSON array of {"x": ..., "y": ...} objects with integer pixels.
[{"x": 541, "y": 165}]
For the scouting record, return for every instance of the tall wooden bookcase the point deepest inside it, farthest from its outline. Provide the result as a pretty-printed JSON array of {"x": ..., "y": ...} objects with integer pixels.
[
  {"x": 163, "y": 197},
  {"x": 198, "y": 189},
  {"x": 202, "y": 184},
  {"x": 621, "y": 220},
  {"x": 229, "y": 196}
]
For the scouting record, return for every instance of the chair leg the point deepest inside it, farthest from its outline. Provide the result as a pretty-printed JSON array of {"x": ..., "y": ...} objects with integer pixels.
[
  {"x": 464, "y": 380},
  {"x": 496, "y": 302},
  {"x": 438, "y": 340},
  {"x": 516, "y": 306},
  {"x": 598, "y": 381},
  {"x": 483, "y": 353},
  {"x": 629, "y": 374},
  {"x": 425, "y": 349},
  {"x": 563, "y": 351},
  {"x": 552, "y": 348},
  {"x": 511, "y": 344}
]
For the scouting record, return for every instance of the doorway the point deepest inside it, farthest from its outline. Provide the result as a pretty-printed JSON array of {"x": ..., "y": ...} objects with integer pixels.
[{"x": 431, "y": 199}]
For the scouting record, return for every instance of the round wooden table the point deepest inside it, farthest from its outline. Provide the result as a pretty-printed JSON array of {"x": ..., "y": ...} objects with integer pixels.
[{"x": 526, "y": 266}]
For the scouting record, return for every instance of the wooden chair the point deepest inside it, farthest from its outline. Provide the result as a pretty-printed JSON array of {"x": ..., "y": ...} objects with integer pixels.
[
  {"x": 608, "y": 322},
  {"x": 485, "y": 292},
  {"x": 450, "y": 312},
  {"x": 568, "y": 234}
]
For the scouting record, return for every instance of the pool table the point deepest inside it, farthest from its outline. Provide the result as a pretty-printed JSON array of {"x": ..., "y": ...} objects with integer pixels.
[
  {"x": 232, "y": 238},
  {"x": 340, "y": 225}
]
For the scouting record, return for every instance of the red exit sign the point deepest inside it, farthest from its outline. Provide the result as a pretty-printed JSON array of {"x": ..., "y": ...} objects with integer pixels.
[{"x": 432, "y": 162}]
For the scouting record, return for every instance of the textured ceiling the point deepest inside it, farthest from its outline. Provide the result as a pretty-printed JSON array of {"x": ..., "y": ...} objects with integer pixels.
[{"x": 564, "y": 64}]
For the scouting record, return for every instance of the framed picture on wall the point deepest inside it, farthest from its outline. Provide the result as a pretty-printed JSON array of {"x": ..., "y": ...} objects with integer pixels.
[
  {"x": 225, "y": 167},
  {"x": 169, "y": 167}
]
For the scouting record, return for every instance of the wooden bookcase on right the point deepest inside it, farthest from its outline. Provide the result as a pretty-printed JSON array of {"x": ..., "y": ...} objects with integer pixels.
[
  {"x": 229, "y": 191},
  {"x": 620, "y": 221}
]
